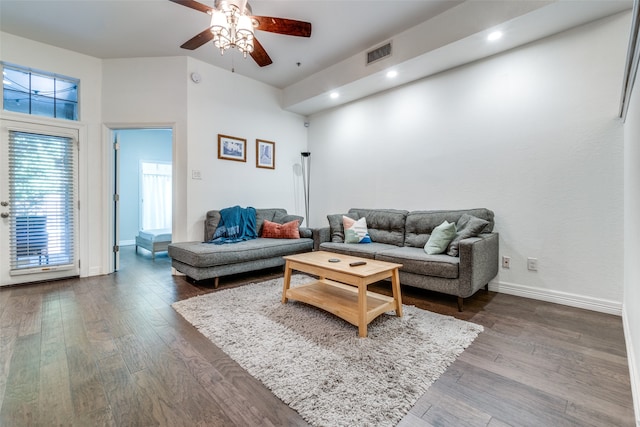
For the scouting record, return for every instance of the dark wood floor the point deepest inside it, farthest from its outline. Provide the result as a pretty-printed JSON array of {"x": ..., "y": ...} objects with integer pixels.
[{"x": 111, "y": 351}]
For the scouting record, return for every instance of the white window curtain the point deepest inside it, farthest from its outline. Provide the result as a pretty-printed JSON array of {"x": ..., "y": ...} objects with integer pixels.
[{"x": 156, "y": 195}]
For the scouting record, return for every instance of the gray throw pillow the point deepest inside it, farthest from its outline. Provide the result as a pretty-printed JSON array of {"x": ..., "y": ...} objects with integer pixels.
[
  {"x": 440, "y": 238},
  {"x": 468, "y": 226},
  {"x": 281, "y": 218}
]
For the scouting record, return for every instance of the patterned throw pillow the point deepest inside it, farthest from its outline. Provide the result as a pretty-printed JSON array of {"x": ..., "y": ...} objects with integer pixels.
[
  {"x": 273, "y": 230},
  {"x": 355, "y": 231}
]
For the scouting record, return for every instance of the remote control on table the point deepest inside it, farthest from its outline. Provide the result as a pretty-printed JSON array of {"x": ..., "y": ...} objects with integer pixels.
[{"x": 356, "y": 263}]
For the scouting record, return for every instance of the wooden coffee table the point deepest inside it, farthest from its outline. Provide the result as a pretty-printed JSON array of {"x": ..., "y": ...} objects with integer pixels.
[{"x": 341, "y": 288}]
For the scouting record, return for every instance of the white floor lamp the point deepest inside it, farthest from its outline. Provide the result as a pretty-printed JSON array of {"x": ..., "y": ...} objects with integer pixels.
[{"x": 306, "y": 175}]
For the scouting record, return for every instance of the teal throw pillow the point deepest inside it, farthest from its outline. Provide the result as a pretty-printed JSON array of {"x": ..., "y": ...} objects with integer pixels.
[{"x": 440, "y": 238}]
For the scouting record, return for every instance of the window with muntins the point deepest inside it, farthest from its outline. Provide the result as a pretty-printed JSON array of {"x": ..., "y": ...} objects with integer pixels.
[{"x": 39, "y": 93}]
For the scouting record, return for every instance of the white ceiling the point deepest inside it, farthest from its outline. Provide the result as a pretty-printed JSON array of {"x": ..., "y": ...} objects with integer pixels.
[{"x": 445, "y": 31}]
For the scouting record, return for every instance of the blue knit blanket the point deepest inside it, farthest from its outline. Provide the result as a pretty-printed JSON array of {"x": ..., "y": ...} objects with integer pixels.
[{"x": 236, "y": 225}]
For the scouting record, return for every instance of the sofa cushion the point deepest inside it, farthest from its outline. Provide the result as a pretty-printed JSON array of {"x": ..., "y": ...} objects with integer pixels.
[
  {"x": 283, "y": 218},
  {"x": 273, "y": 230},
  {"x": 336, "y": 227},
  {"x": 365, "y": 251},
  {"x": 417, "y": 261},
  {"x": 355, "y": 231},
  {"x": 199, "y": 254},
  {"x": 420, "y": 224},
  {"x": 440, "y": 238},
  {"x": 468, "y": 226},
  {"x": 211, "y": 223},
  {"x": 385, "y": 225}
]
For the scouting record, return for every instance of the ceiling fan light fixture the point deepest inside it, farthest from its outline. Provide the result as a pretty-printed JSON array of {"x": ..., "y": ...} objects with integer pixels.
[
  {"x": 244, "y": 35},
  {"x": 221, "y": 31},
  {"x": 232, "y": 28},
  {"x": 233, "y": 25}
]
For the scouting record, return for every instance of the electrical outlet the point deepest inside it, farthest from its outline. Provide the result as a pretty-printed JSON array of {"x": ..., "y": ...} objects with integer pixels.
[
  {"x": 195, "y": 174},
  {"x": 532, "y": 264},
  {"x": 506, "y": 262}
]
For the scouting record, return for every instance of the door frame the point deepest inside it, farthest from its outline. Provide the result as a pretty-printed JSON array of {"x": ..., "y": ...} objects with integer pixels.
[{"x": 110, "y": 229}]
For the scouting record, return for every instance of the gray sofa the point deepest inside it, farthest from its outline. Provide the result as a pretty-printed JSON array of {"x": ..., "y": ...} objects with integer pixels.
[
  {"x": 200, "y": 261},
  {"x": 400, "y": 236}
]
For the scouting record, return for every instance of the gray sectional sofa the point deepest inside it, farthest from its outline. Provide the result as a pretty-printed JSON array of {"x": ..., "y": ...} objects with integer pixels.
[
  {"x": 400, "y": 236},
  {"x": 200, "y": 260}
]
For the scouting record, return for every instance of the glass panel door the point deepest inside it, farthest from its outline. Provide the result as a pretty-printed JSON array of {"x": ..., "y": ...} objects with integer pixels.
[{"x": 38, "y": 225}]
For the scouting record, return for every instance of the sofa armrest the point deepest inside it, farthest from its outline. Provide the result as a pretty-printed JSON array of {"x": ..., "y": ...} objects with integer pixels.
[
  {"x": 478, "y": 262},
  {"x": 320, "y": 235}
]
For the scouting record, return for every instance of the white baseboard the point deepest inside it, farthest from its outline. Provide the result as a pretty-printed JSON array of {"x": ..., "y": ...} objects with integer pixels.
[
  {"x": 564, "y": 298},
  {"x": 634, "y": 375},
  {"x": 127, "y": 242}
]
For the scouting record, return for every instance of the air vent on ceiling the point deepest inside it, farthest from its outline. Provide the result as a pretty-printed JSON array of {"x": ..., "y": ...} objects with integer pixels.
[{"x": 379, "y": 53}]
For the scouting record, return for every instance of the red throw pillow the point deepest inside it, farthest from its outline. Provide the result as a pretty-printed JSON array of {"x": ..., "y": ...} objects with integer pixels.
[{"x": 273, "y": 230}]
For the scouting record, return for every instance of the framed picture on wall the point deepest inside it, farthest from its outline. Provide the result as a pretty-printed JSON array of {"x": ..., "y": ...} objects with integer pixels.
[
  {"x": 265, "y": 154},
  {"x": 232, "y": 148}
]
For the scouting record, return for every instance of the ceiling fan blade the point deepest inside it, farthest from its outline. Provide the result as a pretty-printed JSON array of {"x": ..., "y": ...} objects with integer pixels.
[
  {"x": 260, "y": 55},
  {"x": 198, "y": 40},
  {"x": 289, "y": 27},
  {"x": 194, "y": 5}
]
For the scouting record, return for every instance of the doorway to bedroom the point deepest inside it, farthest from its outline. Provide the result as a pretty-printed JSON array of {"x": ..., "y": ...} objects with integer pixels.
[{"x": 143, "y": 191}]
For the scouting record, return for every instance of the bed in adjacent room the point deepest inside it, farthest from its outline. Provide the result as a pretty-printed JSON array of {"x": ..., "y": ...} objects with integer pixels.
[{"x": 153, "y": 240}]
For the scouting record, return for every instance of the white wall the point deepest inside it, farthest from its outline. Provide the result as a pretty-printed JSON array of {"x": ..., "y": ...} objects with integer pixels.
[
  {"x": 632, "y": 241},
  {"x": 531, "y": 134},
  {"x": 230, "y": 104},
  {"x": 39, "y": 56},
  {"x": 148, "y": 91}
]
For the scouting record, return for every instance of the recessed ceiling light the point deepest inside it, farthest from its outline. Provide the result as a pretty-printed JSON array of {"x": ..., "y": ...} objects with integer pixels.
[
  {"x": 494, "y": 36},
  {"x": 391, "y": 74},
  {"x": 334, "y": 95}
]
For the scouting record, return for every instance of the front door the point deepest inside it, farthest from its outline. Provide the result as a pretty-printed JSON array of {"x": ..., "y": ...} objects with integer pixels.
[{"x": 38, "y": 202}]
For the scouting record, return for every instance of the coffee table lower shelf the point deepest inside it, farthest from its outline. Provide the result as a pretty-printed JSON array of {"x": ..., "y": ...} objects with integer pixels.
[{"x": 342, "y": 300}]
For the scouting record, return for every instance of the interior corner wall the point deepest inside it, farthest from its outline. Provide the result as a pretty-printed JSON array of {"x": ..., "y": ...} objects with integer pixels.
[
  {"x": 229, "y": 104},
  {"x": 532, "y": 134},
  {"x": 140, "y": 92},
  {"x": 40, "y": 56},
  {"x": 632, "y": 240},
  {"x": 148, "y": 92}
]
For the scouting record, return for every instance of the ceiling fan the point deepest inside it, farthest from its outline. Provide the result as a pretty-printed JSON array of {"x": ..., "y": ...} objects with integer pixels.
[{"x": 233, "y": 25}]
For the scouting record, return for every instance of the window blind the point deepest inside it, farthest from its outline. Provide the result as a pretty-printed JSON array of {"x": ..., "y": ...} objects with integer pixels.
[{"x": 42, "y": 194}]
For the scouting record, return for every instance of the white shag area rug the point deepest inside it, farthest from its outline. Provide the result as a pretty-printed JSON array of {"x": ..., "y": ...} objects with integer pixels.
[{"x": 315, "y": 362}]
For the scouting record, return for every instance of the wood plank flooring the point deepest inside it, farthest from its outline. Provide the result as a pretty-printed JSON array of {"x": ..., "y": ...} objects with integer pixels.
[{"x": 110, "y": 351}]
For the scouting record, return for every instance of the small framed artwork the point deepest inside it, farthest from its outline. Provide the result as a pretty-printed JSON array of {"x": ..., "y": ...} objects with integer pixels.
[
  {"x": 232, "y": 148},
  {"x": 265, "y": 154}
]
